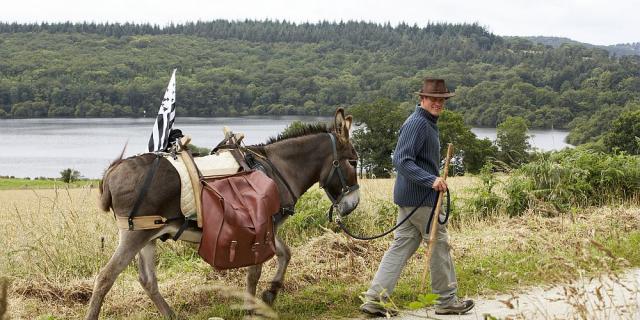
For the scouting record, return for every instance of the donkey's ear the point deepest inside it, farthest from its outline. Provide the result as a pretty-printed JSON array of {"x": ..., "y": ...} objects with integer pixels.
[
  {"x": 339, "y": 121},
  {"x": 348, "y": 120},
  {"x": 343, "y": 134}
]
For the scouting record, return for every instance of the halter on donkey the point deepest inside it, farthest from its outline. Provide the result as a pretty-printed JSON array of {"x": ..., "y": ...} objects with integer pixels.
[{"x": 299, "y": 160}]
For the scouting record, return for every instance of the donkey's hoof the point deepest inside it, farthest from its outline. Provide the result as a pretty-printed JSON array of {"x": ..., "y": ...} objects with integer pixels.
[{"x": 268, "y": 297}]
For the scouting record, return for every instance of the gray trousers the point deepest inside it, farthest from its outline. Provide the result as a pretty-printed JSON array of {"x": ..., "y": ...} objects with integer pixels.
[{"x": 407, "y": 239}]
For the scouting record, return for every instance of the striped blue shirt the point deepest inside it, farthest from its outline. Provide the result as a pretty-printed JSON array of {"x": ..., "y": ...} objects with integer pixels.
[{"x": 416, "y": 159}]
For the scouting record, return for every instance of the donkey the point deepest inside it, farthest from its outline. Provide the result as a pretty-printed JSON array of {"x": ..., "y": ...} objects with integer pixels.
[{"x": 295, "y": 161}]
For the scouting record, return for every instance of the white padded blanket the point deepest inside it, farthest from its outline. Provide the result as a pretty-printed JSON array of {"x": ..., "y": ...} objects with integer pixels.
[{"x": 220, "y": 164}]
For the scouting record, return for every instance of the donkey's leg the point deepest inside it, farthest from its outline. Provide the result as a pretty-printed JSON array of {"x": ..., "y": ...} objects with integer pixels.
[
  {"x": 129, "y": 245},
  {"x": 284, "y": 255},
  {"x": 253, "y": 276},
  {"x": 148, "y": 279}
]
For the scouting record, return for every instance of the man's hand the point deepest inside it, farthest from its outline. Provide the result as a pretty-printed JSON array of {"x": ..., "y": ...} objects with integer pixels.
[{"x": 439, "y": 184}]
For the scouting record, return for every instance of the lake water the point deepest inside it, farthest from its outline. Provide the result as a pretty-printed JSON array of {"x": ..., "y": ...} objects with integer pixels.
[
  {"x": 44, "y": 147},
  {"x": 544, "y": 140}
]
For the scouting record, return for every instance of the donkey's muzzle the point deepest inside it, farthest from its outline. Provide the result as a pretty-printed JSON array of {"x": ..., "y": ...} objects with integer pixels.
[{"x": 348, "y": 202}]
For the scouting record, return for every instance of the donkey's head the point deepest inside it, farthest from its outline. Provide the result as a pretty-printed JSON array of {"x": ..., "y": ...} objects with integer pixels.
[{"x": 338, "y": 176}]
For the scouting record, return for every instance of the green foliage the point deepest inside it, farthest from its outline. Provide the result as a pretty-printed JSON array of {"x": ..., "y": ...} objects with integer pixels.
[
  {"x": 625, "y": 133},
  {"x": 484, "y": 201},
  {"x": 475, "y": 151},
  {"x": 575, "y": 177},
  {"x": 518, "y": 190},
  {"x": 620, "y": 49},
  {"x": 590, "y": 128},
  {"x": 280, "y": 68},
  {"x": 377, "y": 138},
  {"x": 513, "y": 141},
  {"x": 69, "y": 175},
  {"x": 423, "y": 301},
  {"x": 310, "y": 219}
]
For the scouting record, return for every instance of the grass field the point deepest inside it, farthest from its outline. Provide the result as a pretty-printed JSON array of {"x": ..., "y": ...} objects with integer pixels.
[
  {"x": 17, "y": 183},
  {"x": 54, "y": 241}
]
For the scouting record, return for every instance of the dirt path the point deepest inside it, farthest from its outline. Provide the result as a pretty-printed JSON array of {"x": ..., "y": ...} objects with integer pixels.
[{"x": 605, "y": 297}]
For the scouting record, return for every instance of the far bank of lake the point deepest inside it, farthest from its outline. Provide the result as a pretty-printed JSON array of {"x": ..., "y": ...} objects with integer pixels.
[{"x": 44, "y": 147}]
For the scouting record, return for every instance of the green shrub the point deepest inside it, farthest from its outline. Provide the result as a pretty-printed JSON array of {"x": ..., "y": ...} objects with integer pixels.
[
  {"x": 484, "y": 201},
  {"x": 69, "y": 175},
  {"x": 518, "y": 193},
  {"x": 574, "y": 177}
]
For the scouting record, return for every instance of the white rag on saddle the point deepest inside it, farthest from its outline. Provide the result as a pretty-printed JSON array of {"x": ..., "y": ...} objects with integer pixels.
[{"x": 220, "y": 164}]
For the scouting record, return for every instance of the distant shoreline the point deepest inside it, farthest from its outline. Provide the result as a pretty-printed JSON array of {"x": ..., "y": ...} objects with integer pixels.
[{"x": 17, "y": 183}]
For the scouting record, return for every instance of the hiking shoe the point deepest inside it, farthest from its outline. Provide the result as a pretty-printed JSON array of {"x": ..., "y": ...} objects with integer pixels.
[
  {"x": 375, "y": 308},
  {"x": 458, "y": 307}
]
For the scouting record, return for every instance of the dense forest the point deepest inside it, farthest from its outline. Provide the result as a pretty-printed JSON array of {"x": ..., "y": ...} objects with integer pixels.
[
  {"x": 230, "y": 68},
  {"x": 620, "y": 49}
]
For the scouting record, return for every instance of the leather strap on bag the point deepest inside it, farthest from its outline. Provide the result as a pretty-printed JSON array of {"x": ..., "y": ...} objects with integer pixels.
[{"x": 260, "y": 231}]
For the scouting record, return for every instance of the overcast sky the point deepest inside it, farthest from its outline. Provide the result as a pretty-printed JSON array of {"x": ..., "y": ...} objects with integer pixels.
[{"x": 591, "y": 21}]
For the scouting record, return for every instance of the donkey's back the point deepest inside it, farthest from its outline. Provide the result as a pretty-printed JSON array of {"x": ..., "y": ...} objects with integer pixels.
[{"x": 123, "y": 181}]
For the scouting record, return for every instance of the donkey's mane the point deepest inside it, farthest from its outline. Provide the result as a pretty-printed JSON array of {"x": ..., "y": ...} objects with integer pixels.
[{"x": 299, "y": 131}]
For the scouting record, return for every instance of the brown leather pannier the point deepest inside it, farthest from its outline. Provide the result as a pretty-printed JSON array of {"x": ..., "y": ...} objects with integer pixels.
[{"x": 237, "y": 217}]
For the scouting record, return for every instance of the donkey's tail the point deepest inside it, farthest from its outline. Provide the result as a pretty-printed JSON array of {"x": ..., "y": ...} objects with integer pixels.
[{"x": 105, "y": 194}]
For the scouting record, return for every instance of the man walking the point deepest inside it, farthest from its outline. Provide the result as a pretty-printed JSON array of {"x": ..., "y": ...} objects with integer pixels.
[{"x": 416, "y": 159}]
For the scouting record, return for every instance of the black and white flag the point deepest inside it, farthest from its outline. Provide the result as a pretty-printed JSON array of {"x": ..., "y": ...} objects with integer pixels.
[{"x": 164, "y": 121}]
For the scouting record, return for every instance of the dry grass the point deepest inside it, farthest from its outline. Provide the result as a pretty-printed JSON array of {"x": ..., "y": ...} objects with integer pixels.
[
  {"x": 54, "y": 235},
  {"x": 3, "y": 298},
  {"x": 55, "y": 241}
]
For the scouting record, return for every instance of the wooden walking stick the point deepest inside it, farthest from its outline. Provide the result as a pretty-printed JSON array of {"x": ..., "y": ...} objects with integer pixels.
[{"x": 433, "y": 228}]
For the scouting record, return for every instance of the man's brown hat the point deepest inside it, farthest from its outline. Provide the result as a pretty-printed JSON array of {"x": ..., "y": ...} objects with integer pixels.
[{"x": 435, "y": 88}]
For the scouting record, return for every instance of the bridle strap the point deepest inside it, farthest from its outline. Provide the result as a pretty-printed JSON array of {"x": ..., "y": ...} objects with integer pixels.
[{"x": 335, "y": 168}]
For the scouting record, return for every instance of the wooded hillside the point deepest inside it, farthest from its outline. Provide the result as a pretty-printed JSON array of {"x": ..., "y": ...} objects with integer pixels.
[{"x": 271, "y": 67}]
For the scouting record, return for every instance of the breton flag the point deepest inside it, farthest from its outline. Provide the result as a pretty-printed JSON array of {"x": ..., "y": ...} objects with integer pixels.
[{"x": 164, "y": 121}]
